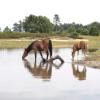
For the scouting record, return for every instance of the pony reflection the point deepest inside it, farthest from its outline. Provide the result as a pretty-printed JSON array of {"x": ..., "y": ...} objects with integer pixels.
[
  {"x": 41, "y": 70},
  {"x": 81, "y": 45},
  {"x": 79, "y": 72}
]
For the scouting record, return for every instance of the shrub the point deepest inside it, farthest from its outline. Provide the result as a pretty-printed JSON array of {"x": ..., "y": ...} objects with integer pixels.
[{"x": 74, "y": 35}]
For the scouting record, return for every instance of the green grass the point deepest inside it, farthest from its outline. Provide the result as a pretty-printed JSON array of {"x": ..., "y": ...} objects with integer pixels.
[
  {"x": 13, "y": 44},
  {"x": 94, "y": 41},
  {"x": 93, "y": 47},
  {"x": 18, "y": 43}
]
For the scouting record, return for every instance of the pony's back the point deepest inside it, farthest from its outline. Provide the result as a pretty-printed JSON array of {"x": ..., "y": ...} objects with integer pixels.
[{"x": 83, "y": 46}]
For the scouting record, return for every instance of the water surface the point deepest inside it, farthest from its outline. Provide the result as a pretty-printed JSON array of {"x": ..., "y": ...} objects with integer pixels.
[{"x": 25, "y": 80}]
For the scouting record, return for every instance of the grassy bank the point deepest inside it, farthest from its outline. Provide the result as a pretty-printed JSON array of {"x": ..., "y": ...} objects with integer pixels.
[
  {"x": 93, "y": 42},
  {"x": 94, "y": 48},
  {"x": 22, "y": 43}
]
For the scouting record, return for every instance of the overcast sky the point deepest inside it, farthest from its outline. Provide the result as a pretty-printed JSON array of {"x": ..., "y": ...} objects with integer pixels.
[{"x": 78, "y": 11}]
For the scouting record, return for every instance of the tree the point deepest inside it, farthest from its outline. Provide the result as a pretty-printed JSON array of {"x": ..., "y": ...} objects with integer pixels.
[
  {"x": 18, "y": 27},
  {"x": 94, "y": 31},
  {"x": 29, "y": 24},
  {"x": 36, "y": 24},
  {"x": 7, "y": 30},
  {"x": 83, "y": 31},
  {"x": 44, "y": 24},
  {"x": 0, "y": 29},
  {"x": 56, "y": 21},
  {"x": 72, "y": 29}
]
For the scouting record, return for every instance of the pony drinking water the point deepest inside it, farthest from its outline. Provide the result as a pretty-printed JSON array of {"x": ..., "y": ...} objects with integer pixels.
[
  {"x": 39, "y": 45},
  {"x": 81, "y": 45}
]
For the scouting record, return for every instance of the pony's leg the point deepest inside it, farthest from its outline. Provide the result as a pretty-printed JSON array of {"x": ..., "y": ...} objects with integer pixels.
[
  {"x": 77, "y": 54},
  {"x": 42, "y": 56},
  {"x": 73, "y": 55},
  {"x": 47, "y": 54},
  {"x": 73, "y": 58},
  {"x": 35, "y": 56},
  {"x": 84, "y": 55}
]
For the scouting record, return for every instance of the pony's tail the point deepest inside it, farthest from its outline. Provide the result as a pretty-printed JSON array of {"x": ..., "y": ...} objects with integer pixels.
[
  {"x": 86, "y": 48},
  {"x": 50, "y": 48}
]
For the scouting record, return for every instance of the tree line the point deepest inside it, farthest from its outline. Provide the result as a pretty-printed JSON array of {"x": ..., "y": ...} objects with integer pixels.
[{"x": 42, "y": 24}]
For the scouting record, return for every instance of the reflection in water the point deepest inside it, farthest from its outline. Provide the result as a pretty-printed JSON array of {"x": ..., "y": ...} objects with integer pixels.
[
  {"x": 79, "y": 71},
  {"x": 41, "y": 70}
]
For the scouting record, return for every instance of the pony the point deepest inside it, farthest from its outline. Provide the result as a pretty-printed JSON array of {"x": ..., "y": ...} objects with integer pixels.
[
  {"x": 39, "y": 45},
  {"x": 81, "y": 45}
]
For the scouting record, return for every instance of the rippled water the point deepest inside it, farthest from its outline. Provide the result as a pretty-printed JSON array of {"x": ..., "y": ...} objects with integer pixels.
[{"x": 24, "y": 80}]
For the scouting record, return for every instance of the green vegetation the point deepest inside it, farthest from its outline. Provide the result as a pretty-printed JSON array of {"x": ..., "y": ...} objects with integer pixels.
[
  {"x": 59, "y": 41},
  {"x": 35, "y": 24},
  {"x": 15, "y": 35},
  {"x": 41, "y": 24},
  {"x": 14, "y": 43}
]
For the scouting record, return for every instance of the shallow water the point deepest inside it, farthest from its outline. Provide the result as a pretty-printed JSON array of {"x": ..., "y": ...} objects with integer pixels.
[{"x": 24, "y": 80}]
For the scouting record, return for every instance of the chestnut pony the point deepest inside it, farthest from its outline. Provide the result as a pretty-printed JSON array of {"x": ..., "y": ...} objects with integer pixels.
[
  {"x": 39, "y": 45},
  {"x": 81, "y": 45}
]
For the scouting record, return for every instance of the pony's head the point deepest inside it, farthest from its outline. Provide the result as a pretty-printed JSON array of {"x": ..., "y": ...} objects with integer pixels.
[
  {"x": 27, "y": 50},
  {"x": 25, "y": 53}
]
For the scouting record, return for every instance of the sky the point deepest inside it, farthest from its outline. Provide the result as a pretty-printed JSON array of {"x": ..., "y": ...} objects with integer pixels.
[{"x": 78, "y": 11}]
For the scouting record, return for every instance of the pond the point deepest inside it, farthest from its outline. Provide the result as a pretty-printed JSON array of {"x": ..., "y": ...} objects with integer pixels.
[{"x": 24, "y": 80}]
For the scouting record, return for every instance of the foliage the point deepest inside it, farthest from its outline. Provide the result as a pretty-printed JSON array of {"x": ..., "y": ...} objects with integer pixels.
[
  {"x": 92, "y": 49},
  {"x": 71, "y": 29},
  {"x": 18, "y": 27},
  {"x": 24, "y": 35},
  {"x": 15, "y": 35},
  {"x": 7, "y": 30},
  {"x": 35, "y": 24},
  {"x": 41, "y": 24},
  {"x": 94, "y": 31},
  {"x": 56, "y": 21},
  {"x": 74, "y": 35}
]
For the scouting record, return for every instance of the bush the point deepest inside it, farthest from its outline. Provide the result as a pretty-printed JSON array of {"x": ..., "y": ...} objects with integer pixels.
[
  {"x": 94, "y": 31},
  {"x": 4, "y": 35},
  {"x": 74, "y": 35},
  {"x": 92, "y": 50}
]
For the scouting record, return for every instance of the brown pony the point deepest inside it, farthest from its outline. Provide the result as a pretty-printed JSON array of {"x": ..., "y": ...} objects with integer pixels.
[
  {"x": 81, "y": 45},
  {"x": 39, "y": 45}
]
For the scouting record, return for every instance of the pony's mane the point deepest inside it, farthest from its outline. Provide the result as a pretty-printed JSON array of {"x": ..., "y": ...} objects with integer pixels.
[{"x": 29, "y": 48}]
